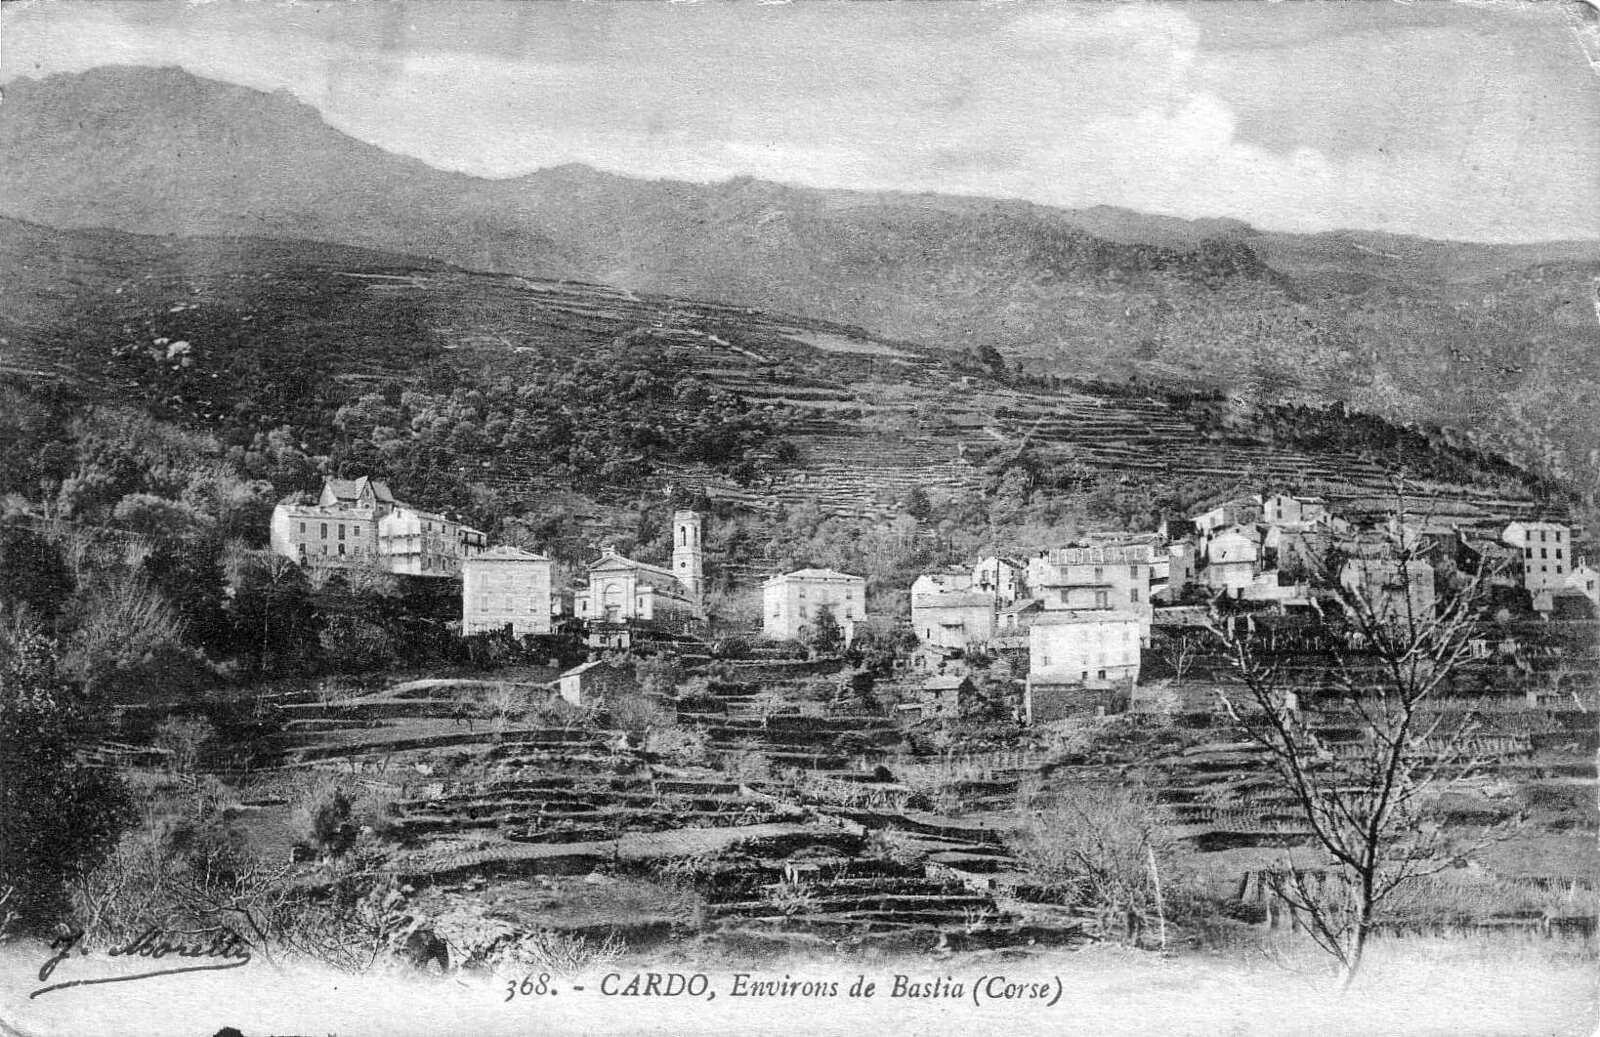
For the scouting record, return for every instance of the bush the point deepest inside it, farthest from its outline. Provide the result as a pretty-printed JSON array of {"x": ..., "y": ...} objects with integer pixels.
[
  {"x": 323, "y": 818},
  {"x": 684, "y": 745},
  {"x": 1104, "y": 846}
]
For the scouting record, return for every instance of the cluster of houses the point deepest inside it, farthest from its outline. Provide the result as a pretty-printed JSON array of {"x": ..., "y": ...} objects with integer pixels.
[
  {"x": 1082, "y": 613},
  {"x": 503, "y": 588}
]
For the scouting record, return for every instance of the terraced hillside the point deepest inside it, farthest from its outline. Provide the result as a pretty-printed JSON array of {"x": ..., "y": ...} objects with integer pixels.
[{"x": 283, "y": 334}]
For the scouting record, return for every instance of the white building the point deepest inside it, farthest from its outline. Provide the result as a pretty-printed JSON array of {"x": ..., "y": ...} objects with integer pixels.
[
  {"x": 791, "y": 602},
  {"x": 1233, "y": 559},
  {"x": 1083, "y": 648},
  {"x": 622, "y": 591},
  {"x": 1112, "y": 576},
  {"x": 1546, "y": 558},
  {"x": 507, "y": 588}
]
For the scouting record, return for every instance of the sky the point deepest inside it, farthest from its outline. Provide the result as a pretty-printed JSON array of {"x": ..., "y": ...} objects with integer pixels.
[{"x": 1471, "y": 121}]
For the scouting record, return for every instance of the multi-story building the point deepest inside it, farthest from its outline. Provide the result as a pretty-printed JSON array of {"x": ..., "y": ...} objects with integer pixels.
[
  {"x": 1241, "y": 511},
  {"x": 1098, "y": 576},
  {"x": 791, "y": 602},
  {"x": 1070, "y": 652},
  {"x": 1005, "y": 578},
  {"x": 506, "y": 588},
  {"x": 1233, "y": 558},
  {"x": 359, "y": 522},
  {"x": 1546, "y": 563}
]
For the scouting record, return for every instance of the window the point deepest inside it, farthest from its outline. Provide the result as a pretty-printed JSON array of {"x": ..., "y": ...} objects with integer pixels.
[
  {"x": 1543, "y": 553},
  {"x": 324, "y": 548},
  {"x": 1133, "y": 571},
  {"x": 1133, "y": 595},
  {"x": 1099, "y": 573},
  {"x": 302, "y": 529},
  {"x": 324, "y": 533},
  {"x": 341, "y": 531},
  {"x": 1101, "y": 674},
  {"x": 1558, "y": 570},
  {"x": 1100, "y": 599},
  {"x": 1528, "y": 553},
  {"x": 341, "y": 549},
  {"x": 1558, "y": 554},
  {"x": 1541, "y": 535}
]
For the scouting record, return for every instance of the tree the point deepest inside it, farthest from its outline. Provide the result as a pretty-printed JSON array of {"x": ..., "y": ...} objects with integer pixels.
[
  {"x": 1369, "y": 803},
  {"x": 58, "y": 818},
  {"x": 827, "y": 637}
]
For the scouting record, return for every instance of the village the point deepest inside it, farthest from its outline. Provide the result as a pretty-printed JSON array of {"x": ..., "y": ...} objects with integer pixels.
[{"x": 1076, "y": 625}]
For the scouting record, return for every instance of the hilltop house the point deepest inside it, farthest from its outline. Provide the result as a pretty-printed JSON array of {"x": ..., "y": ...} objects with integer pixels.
[
  {"x": 791, "y": 602},
  {"x": 1546, "y": 561},
  {"x": 1241, "y": 511},
  {"x": 941, "y": 581},
  {"x": 506, "y": 588},
  {"x": 359, "y": 522}
]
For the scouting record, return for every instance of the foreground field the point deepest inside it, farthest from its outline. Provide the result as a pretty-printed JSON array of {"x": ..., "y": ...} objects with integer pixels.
[{"x": 1498, "y": 985}]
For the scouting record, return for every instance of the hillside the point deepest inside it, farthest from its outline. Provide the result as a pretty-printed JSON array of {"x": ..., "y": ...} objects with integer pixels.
[
  {"x": 530, "y": 386},
  {"x": 1496, "y": 340}
]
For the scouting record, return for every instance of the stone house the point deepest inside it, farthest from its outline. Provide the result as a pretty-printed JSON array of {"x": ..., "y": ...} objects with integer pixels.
[
  {"x": 598, "y": 683},
  {"x": 1096, "y": 576},
  {"x": 1005, "y": 578}
]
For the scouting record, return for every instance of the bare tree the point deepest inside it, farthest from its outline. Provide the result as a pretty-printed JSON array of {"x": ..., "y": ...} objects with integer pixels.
[{"x": 1368, "y": 802}]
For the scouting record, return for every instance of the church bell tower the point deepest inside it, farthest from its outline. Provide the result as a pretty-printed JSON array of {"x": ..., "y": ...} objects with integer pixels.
[{"x": 687, "y": 554}]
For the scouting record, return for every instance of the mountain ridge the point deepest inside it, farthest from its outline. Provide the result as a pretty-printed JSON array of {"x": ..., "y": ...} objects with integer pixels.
[{"x": 1495, "y": 339}]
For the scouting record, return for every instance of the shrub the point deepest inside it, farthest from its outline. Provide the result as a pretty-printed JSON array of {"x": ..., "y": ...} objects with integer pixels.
[
  {"x": 684, "y": 745},
  {"x": 323, "y": 818}
]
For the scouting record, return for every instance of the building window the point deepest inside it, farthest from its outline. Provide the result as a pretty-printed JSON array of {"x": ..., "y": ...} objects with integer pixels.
[
  {"x": 341, "y": 549},
  {"x": 1541, "y": 535},
  {"x": 341, "y": 531},
  {"x": 1133, "y": 571},
  {"x": 1100, "y": 600},
  {"x": 1543, "y": 554},
  {"x": 324, "y": 548},
  {"x": 302, "y": 529},
  {"x": 1558, "y": 554},
  {"x": 1099, "y": 574},
  {"x": 324, "y": 533},
  {"x": 1101, "y": 674},
  {"x": 1133, "y": 595}
]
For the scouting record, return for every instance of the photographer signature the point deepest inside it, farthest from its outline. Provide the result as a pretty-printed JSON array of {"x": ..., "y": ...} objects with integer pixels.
[{"x": 154, "y": 943}]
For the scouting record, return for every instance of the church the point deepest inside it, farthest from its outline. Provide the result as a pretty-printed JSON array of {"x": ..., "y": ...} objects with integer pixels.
[{"x": 623, "y": 594}]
